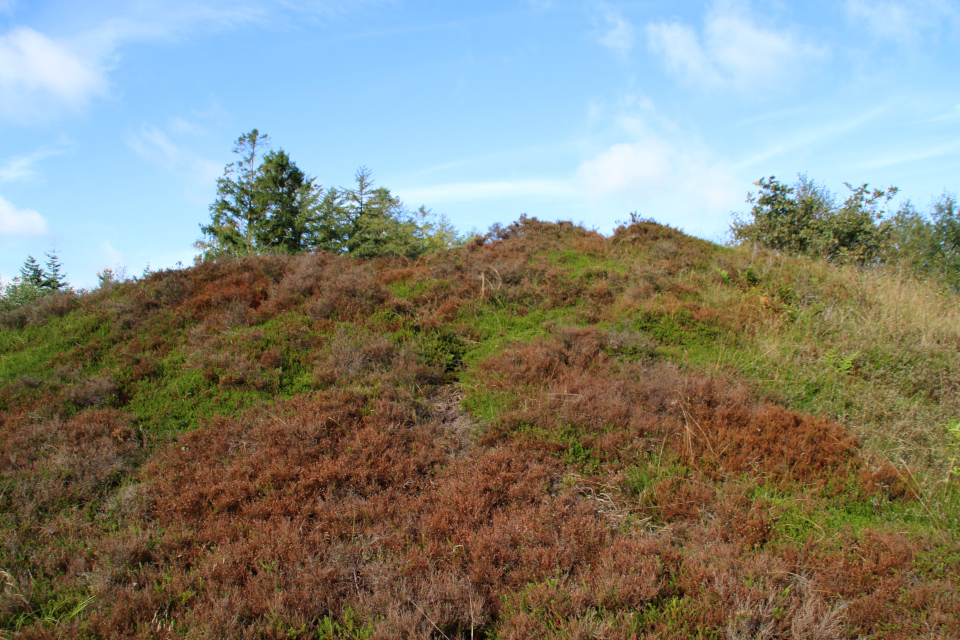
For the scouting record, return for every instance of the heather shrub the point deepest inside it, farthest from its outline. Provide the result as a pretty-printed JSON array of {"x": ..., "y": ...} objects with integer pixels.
[
  {"x": 52, "y": 470},
  {"x": 544, "y": 433},
  {"x": 92, "y": 392},
  {"x": 39, "y": 311}
]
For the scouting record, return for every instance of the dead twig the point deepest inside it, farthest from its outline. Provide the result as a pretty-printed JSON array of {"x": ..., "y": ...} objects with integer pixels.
[{"x": 440, "y": 631}]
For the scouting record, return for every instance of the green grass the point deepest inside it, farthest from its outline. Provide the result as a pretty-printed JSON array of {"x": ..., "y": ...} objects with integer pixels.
[
  {"x": 53, "y": 606},
  {"x": 586, "y": 265},
  {"x": 29, "y": 351},
  {"x": 500, "y": 327}
]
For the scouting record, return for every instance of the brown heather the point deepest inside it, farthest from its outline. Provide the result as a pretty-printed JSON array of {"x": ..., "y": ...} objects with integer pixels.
[{"x": 600, "y": 486}]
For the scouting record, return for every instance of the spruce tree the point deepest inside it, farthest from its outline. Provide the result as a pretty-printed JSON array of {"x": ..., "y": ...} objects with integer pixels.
[
  {"x": 237, "y": 215},
  {"x": 289, "y": 200},
  {"x": 54, "y": 278},
  {"x": 265, "y": 203},
  {"x": 31, "y": 272}
]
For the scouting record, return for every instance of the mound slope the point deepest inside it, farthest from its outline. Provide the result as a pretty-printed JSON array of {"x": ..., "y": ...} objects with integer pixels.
[{"x": 548, "y": 433}]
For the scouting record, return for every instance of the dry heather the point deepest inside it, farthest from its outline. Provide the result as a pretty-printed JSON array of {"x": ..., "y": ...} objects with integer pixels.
[{"x": 547, "y": 434}]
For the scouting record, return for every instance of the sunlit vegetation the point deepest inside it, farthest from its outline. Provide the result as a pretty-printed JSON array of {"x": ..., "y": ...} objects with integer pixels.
[{"x": 544, "y": 433}]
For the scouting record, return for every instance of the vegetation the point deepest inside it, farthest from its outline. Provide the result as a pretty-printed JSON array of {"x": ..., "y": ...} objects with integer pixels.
[
  {"x": 542, "y": 433},
  {"x": 273, "y": 207},
  {"x": 33, "y": 283},
  {"x": 806, "y": 220}
]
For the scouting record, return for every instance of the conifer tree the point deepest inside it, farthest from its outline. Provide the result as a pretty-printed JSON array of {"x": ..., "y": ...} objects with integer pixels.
[
  {"x": 31, "y": 272},
  {"x": 377, "y": 223},
  {"x": 265, "y": 203},
  {"x": 237, "y": 215},
  {"x": 288, "y": 201},
  {"x": 54, "y": 278},
  {"x": 33, "y": 282}
]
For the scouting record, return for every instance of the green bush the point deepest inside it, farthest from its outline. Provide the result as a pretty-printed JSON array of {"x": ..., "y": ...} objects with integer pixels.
[{"x": 805, "y": 219}]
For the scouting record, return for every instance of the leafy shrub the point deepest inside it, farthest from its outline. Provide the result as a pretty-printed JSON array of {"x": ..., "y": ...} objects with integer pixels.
[{"x": 806, "y": 220}]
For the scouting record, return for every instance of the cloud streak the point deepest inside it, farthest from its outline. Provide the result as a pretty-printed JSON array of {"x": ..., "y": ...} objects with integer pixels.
[
  {"x": 803, "y": 137},
  {"x": 901, "y": 22},
  {"x": 23, "y": 168},
  {"x": 732, "y": 50}
]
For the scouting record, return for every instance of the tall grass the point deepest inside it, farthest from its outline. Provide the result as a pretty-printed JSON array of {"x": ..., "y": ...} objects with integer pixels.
[{"x": 876, "y": 349}]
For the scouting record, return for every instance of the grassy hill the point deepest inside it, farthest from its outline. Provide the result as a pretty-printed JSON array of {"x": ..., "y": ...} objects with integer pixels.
[{"x": 548, "y": 433}]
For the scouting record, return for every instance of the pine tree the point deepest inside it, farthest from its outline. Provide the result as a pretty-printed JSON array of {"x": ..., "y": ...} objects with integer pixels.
[
  {"x": 31, "y": 272},
  {"x": 375, "y": 227},
  {"x": 265, "y": 203},
  {"x": 289, "y": 202},
  {"x": 237, "y": 215},
  {"x": 54, "y": 278}
]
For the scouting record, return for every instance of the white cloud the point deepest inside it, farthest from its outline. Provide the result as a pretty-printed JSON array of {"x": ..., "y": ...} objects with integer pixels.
[
  {"x": 906, "y": 23},
  {"x": 731, "y": 50},
  {"x": 617, "y": 34},
  {"x": 40, "y": 76},
  {"x": 661, "y": 172},
  {"x": 20, "y": 222},
  {"x": 682, "y": 52}
]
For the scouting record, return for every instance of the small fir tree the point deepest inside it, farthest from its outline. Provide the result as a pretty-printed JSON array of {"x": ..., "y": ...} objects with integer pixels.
[{"x": 54, "y": 278}]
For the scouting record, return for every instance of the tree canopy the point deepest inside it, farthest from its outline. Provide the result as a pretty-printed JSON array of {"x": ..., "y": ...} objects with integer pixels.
[{"x": 266, "y": 204}]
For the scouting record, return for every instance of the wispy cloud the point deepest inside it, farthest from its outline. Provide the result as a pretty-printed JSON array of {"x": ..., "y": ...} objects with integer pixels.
[
  {"x": 152, "y": 144},
  {"x": 463, "y": 191},
  {"x": 796, "y": 138},
  {"x": 617, "y": 33},
  {"x": 24, "y": 168},
  {"x": 161, "y": 148},
  {"x": 20, "y": 222},
  {"x": 113, "y": 256},
  {"x": 731, "y": 50},
  {"x": 907, "y": 156},
  {"x": 40, "y": 76},
  {"x": 902, "y": 22},
  {"x": 179, "y": 126}
]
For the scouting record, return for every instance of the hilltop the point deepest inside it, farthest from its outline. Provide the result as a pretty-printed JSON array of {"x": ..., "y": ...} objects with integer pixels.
[{"x": 544, "y": 433}]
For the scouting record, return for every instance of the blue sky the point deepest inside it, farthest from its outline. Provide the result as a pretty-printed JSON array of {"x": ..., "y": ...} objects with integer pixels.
[{"x": 117, "y": 117}]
